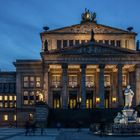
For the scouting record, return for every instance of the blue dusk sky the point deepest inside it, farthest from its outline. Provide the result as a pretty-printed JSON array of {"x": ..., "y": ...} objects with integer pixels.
[{"x": 21, "y": 21}]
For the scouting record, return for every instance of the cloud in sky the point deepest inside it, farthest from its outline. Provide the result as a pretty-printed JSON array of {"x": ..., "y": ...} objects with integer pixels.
[{"x": 21, "y": 21}]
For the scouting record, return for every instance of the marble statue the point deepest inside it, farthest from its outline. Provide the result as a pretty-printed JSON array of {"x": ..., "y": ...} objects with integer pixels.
[{"x": 128, "y": 97}]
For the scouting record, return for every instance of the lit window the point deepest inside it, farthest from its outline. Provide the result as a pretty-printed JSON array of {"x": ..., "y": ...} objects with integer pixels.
[
  {"x": 15, "y": 98},
  {"x": 5, "y": 98},
  {"x": 15, "y": 117},
  {"x": 10, "y": 98},
  {"x": 25, "y": 102},
  {"x": 89, "y": 81},
  {"x": 11, "y": 104},
  {"x": 15, "y": 104},
  {"x": 0, "y": 98},
  {"x": 73, "y": 81},
  {"x": 37, "y": 81},
  {"x": 107, "y": 80},
  {"x": 6, "y": 104},
  {"x": 56, "y": 80},
  {"x": 5, "y": 117}
]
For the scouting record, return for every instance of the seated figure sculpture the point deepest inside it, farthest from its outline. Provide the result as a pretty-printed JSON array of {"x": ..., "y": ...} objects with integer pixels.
[{"x": 128, "y": 97}]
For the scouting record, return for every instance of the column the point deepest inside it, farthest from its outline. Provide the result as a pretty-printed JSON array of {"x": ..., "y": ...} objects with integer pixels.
[
  {"x": 137, "y": 84},
  {"x": 101, "y": 85},
  {"x": 83, "y": 85},
  {"x": 46, "y": 84},
  {"x": 64, "y": 86},
  {"x": 120, "y": 92}
]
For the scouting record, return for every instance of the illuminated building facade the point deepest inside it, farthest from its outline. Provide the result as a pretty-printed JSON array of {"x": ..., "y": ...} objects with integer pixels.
[{"x": 87, "y": 65}]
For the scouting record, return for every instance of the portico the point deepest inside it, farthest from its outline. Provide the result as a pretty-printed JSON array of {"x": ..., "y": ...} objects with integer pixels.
[{"x": 88, "y": 86}]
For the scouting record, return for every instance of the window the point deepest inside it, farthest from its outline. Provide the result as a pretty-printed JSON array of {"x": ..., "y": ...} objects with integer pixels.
[
  {"x": 76, "y": 42},
  {"x": 5, "y": 104},
  {"x": 1, "y": 98},
  {"x": 10, "y": 98},
  {"x": 58, "y": 44},
  {"x": 31, "y": 95},
  {"x": 70, "y": 42},
  {"x": 38, "y": 82},
  {"x": 73, "y": 81},
  {"x": 32, "y": 84},
  {"x": 112, "y": 42},
  {"x": 65, "y": 43},
  {"x": 5, "y": 117},
  {"x": 26, "y": 81},
  {"x": 118, "y": 43},
  {"x": 25, "y": 102},
  {"x": 25, "y": 97},
  {"x": 5, "y": 98},
  {"x": 11, "y": 104},
  {"x": 15, "y": 98},
  {"x": 107, "y": 80},
  {"x": 56, "y": 80},
  {"x": 89, "y": 81},
  {"x": 15, "y": 117},
  {"x": 107, "y": 42}
]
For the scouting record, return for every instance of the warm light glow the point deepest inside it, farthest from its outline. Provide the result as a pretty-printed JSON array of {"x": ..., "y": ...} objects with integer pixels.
[
  {"x": 5, "y": 98},
  {"x": 0, "y": 98},
  {"x": 114, "y": 99},
  {"x": 10, "y": 98},
  {"x": 15, "y": 97},
  {"x": 30, "y": 116},
  {"x": 5, "y": 117},
  {"x": 97, "y": 100},
  {"x": 15, "y": 117},
  {"x": 80, "y": 99}
]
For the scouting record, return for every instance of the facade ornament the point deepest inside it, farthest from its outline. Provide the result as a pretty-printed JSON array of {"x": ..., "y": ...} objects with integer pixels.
[
  {"x": 46, "y": 45},
  {"x": 92, "y": 36},
  {"x": 88, "y": 16},
  {"x": 128, "y": 97}
]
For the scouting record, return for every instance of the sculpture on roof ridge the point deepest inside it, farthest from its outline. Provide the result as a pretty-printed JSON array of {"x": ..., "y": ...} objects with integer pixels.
[{"x": 88, "y": 16}]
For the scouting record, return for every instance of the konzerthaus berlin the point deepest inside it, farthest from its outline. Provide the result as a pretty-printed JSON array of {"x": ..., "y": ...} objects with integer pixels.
[{"x": 87, "y": 65}]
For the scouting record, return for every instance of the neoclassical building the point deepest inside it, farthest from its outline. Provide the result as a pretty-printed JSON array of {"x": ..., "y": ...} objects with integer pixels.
[{"x": 87, "y": 65}]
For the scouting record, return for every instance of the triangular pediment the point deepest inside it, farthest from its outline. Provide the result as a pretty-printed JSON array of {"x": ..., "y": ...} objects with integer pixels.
[
  {"x": 87, "y": 27},
  {"x": 93, "y": 48}
]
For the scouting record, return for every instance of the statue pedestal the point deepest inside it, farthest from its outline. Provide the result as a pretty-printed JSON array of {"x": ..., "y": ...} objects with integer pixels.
[{"x": 128, "y": 112}]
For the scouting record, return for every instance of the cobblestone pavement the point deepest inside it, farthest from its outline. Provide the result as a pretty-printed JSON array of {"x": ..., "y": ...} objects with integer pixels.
[{"x": 54, "y": 134}]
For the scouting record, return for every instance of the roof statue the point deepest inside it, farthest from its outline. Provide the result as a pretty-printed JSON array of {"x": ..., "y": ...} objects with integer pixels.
[
  {"x": 92, "y": 36},
  {"x": 88, "y": 16}
]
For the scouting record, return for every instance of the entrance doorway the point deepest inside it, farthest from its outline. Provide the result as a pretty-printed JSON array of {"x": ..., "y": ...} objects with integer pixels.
[
  {"x": 107, "y": 95},
  {"x": 72, "y": 99},
  {"x": 56, "y": 99},
  {"x": 89, "y": 99}
]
